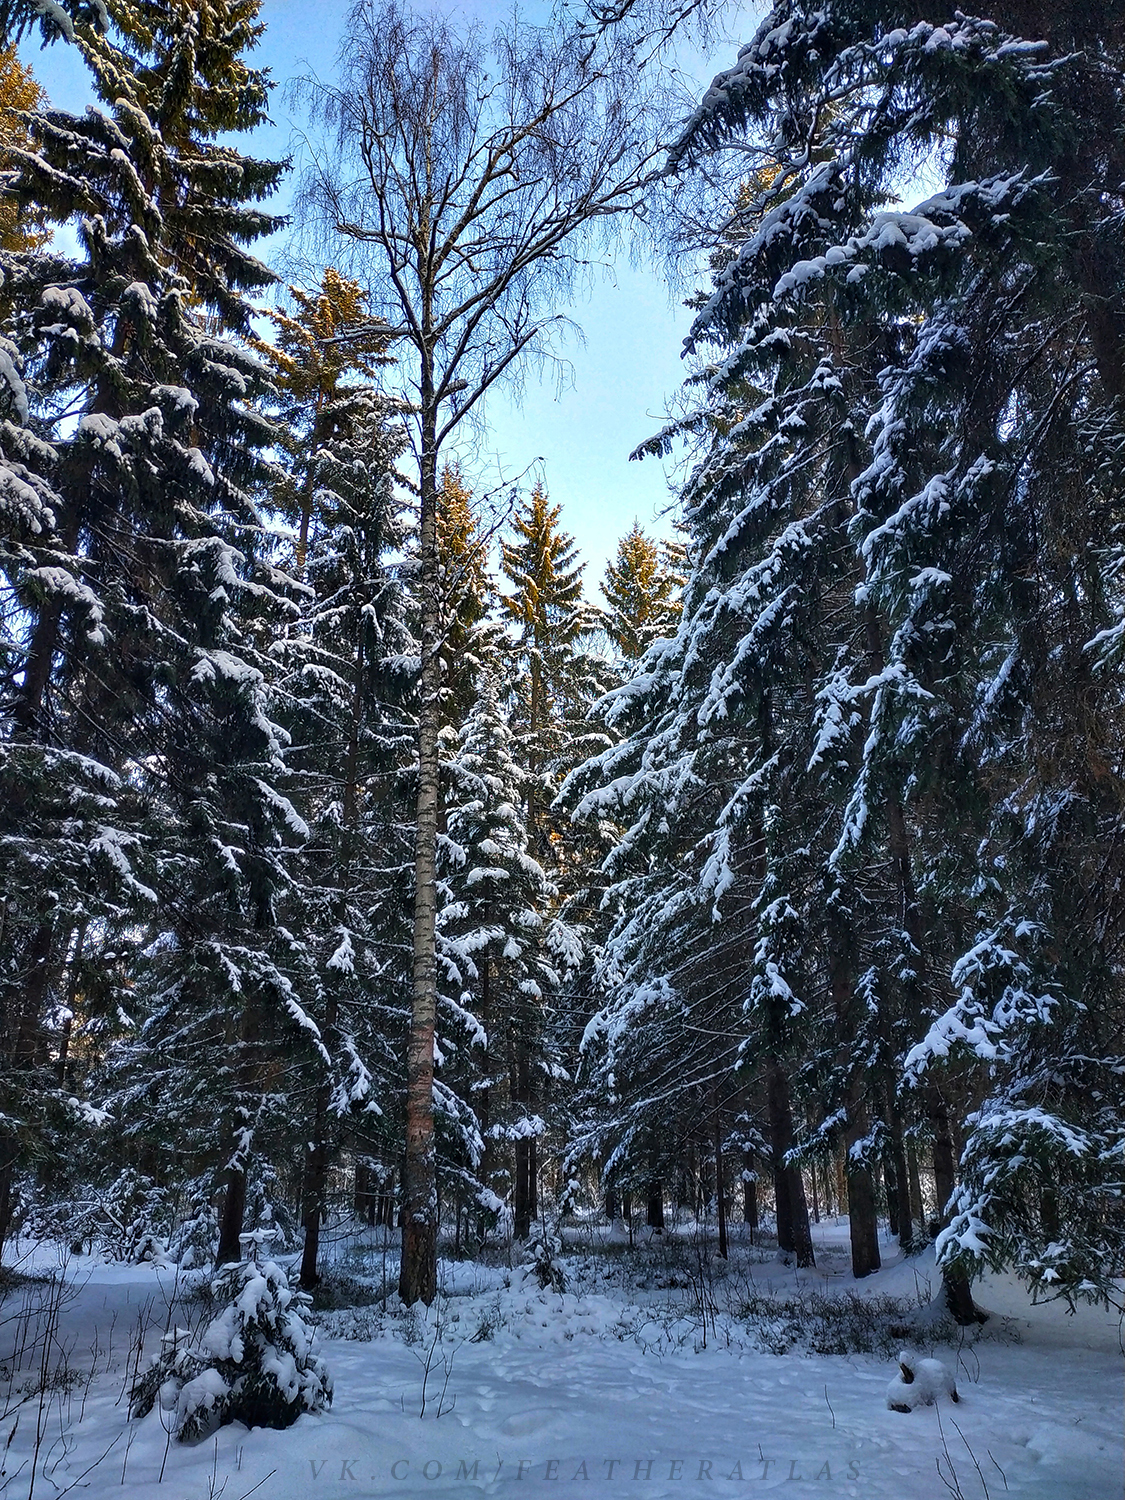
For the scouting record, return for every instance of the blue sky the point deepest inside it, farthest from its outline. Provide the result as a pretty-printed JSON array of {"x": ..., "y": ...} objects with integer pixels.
[{"x": 633, "y": 326}]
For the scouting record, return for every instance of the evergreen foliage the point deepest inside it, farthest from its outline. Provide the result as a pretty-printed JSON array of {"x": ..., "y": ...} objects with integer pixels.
[
  {"x": 252, "y": 1364},
  {"x": 641, "y": 587},
  {"x": 136, "y": 683},
  {"x": 897, "y": 601},
  {"x": 325, "y": 862}
]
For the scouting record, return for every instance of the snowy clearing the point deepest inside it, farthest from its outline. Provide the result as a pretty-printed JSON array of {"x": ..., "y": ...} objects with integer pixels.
[{"x": 641, "y": 1378}]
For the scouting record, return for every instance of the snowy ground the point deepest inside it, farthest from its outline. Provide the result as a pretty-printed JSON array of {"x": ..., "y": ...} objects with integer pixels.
[{"x": 641, "y": 1380}]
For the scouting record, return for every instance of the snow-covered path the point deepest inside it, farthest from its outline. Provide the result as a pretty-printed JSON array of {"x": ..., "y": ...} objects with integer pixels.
[{"x": 556, "y": 1403}]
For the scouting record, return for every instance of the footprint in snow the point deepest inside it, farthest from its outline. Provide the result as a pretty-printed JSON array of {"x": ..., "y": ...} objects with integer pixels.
[{"x": 522, "y": 1424}]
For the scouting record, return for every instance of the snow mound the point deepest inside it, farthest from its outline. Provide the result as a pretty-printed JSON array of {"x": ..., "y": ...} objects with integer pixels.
[{"x": 919, "y": 1382}]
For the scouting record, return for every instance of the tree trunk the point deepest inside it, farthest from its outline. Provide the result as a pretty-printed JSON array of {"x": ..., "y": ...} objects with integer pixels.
[
  {"x": 240, "y": 1125},
  {"x": 793, "y": 1233},
  {"x": 904, "y": 1225},
  {"x": 958, "y": 1293},
  {"x": 720, "y": 1187},
  {"x": 418, "y": 1272},
  {"x": 483, "y": 1104},
  {"x": 610, "y": 1202},
  {"x": 655, "y": 1215},
  {"x": 891, "y": 1189},
  {"x": 917, "y": 1203},
  {"x": 234, "y": 1211},
  {"x": 863, "y": 1223},
  {"x": 317, "y": 1160},
  {"x": 750, "y": 1204},
  {"x": 320, "y": 1147},
  {"x": 525, "y": 1197}
]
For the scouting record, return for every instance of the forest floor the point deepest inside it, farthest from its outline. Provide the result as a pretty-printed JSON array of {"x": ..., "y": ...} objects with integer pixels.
[{"x": 660, "y": 1371}]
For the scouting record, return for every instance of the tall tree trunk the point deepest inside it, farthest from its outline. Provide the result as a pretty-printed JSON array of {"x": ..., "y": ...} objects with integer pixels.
[
  {"x": 917, "y": 1202},
  {"x": 233, "y": 1214},
  {"x": 903, "y": 1208},
  {"x": 525, "y": 1197},
  {"x": 23, "y": 1044},
  {"x": 793, "y": 1232},
  {"x": 418, "y": 1272},
  {"x": 314, "y": 1192},
  {"x": 958, "y": 1293},
  {"x": 655, "y": 1215},
  {"x": 720, "y": 1186},
  {"x": 71, "y": 1001},
  {"x": 239, "y": 1129},
  {"x": 863, "y": 1223},
  {"x": 750, "y": 1202}
]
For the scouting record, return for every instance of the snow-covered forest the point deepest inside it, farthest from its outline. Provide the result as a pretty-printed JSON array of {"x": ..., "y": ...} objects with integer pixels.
[{"x": 446, "y": 995}]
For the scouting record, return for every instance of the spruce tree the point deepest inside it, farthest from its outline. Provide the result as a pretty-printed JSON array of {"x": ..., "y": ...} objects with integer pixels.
[
  {"x": 138, "y": 657},
  {"x": 921, "y": 366},
  {"x": 504, "y": 953},
  {"x": 347, "y": 687},
  {"x": 641, "y": 587}
]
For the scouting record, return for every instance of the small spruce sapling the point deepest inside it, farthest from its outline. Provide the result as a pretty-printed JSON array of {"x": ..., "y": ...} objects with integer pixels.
[{"x": 253, "y": 1363}]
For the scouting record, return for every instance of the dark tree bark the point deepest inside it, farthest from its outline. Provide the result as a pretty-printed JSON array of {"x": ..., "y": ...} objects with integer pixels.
[
  {"x": 720, "y": 1187},
  {"x": 525, "y": 1184},
  {"x": 230, "y": 1222},
  {"x": 655, "y": 1214},
  {"x": 793, "y": 1234},
  {"x": 958, "y": 1293},
  {"x": 750, "y": 1204}
]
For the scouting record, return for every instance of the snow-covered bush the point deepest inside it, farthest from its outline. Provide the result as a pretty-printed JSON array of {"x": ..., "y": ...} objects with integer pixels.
[
  {"x": 194, "y": 1238},
  {"x": 127, "y": 1221},
  {"x": 544, "y": 1260},
  {"x": 253, "y": 1363},
  {"x": 919, "y": 1382},
  {"x": 266, "y": 1211}
]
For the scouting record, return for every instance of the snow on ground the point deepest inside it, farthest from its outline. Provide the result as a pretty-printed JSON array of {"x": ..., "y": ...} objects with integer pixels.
[{"x": 640, "y": 1380}]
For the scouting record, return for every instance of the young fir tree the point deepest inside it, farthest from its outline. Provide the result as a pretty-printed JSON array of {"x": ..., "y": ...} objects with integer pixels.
[
  {"x": 142, "y": 603},
  {"x": 503, "y": 951},
  {"x": 347, "y": 684}
]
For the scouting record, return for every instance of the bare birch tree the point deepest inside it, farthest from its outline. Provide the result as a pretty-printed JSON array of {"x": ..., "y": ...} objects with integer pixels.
[{"x": 466, "y": 176}]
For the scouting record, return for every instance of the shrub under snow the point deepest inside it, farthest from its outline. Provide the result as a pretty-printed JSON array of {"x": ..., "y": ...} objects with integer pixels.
[
  {"x": 544, "y": 1261},
  {"x": 253, "y": 1363},
  {"x": 919, "y": 1382}
]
